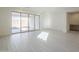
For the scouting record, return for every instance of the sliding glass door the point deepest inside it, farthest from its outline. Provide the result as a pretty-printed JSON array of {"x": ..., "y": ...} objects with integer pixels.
[
  {"x": 31, "y": 22},
  {"x": 15, "y": 22},
  {"x": 37, "y": 22},
  {"x": 22, "y": 22}
]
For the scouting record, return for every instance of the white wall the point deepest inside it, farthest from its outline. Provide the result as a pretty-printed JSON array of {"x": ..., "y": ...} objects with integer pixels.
[
  {"x": 4, "y": 22},
  {"x": 46, "y": 20},
  {"x": 54, "y": 21},
  {"x": 59, "y": 21}
]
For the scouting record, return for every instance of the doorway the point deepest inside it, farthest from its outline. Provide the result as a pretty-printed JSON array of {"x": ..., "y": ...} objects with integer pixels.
[{"x": 73, "y": 18}]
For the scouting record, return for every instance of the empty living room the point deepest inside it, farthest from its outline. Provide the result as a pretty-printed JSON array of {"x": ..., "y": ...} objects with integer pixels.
[{"x": 39, "y": 29}]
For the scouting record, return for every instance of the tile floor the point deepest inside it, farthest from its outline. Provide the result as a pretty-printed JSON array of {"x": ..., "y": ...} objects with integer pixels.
[{"x": 41, "y": 41}]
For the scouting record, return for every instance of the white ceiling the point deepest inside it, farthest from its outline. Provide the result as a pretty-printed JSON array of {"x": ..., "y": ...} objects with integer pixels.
[{"x": 53, "y": 9}]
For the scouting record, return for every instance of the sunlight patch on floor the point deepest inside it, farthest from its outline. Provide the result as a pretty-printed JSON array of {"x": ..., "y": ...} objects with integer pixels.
[{"x": 43, "y": 36}]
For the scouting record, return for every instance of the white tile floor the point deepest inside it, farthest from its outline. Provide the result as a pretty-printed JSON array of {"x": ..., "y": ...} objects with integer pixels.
[{"x": 41, "y": 41}]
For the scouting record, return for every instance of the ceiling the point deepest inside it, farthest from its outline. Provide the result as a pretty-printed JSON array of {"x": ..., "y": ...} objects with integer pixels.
[{"x": 54, "y": 9}]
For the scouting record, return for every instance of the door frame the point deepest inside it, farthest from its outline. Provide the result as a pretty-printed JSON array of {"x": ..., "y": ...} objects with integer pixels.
[{"x": 68, "y": 21}]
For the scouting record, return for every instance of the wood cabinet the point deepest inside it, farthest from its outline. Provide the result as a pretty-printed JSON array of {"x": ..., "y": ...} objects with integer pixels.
[{"x": 74, "y": 27}]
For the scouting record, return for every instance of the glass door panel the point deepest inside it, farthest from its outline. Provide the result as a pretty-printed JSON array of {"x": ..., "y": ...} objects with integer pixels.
[
  {"x": 31, "y": 22},
  {"x": 15, "y": 22},
  {"x": 24, "y": 22},
  {"x": 37, "y": 22}
]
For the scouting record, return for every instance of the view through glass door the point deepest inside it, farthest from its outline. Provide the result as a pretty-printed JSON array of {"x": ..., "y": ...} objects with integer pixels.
[
  {"x": 37, "y": 22},
  {"x": 15, "y": 22},
  {"x": 31, "y": 22},
  {"x": 22, "y": 22}
]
